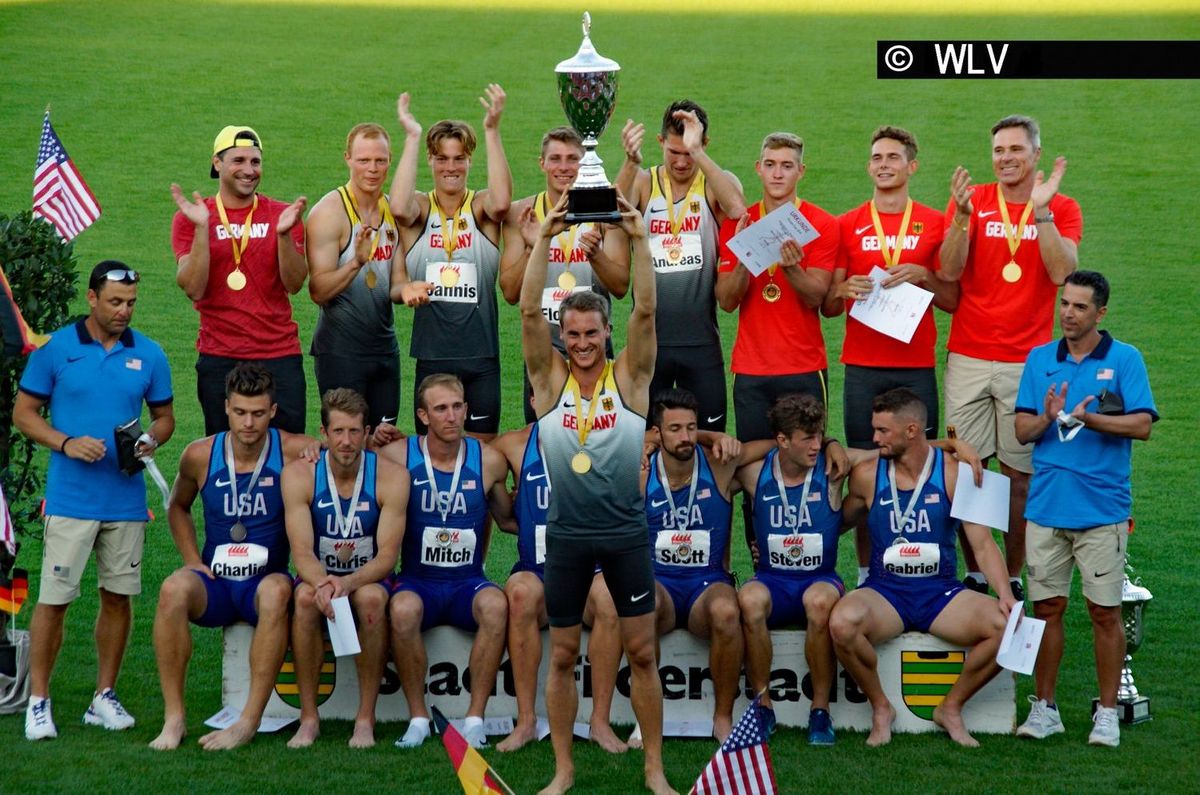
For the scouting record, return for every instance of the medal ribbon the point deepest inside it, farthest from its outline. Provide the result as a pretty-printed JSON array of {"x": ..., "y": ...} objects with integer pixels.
[
  {"x": 1013, "y": 235},
  {"x": 344, "y": 523},
  {"x": 666, "y": 482},
  {"x": 777, "y": 473},
  {"x": 231, "y": 466},
  {"x": 696, "y": 191},
  {"x": 584, "y": 426},
  {"x": 238, "y": 248},
  {"x": 450, "y": 239},
  {"x": 566, "y": 243},
  {"x": 443, "y": 508},
  {"x": 892, "y": 258},
  {"x": 902, "y": 518}
]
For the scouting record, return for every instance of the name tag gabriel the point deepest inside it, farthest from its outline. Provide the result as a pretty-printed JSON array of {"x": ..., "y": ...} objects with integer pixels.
[
  {"x": 676, "y": 253},
  {"x": 798, "y": 551},
  {"x": 448, "y": 546},
  {"x": 239, "y": 561},
  {"x": 905, "y": 559}
]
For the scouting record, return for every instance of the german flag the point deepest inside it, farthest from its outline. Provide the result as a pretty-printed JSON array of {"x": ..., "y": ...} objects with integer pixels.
[
  {"x": 926, "y": 677},
  {"x": 474, "y": 773},
  {"x": 14, "y": 591},
  {"x": 15, "y": 333}
]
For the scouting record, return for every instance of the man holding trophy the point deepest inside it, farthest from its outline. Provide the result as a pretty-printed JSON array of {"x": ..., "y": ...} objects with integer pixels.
[{"x": 1079, "y": 497}]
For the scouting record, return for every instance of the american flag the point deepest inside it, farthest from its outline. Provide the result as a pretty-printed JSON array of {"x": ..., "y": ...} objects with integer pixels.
[
  {"x": 743, "y": 762},
  {"x": 59, "y": 193}
]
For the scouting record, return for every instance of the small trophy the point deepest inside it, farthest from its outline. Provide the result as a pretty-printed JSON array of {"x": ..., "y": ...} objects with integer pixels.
[
  {"x": 1131, "y": 705},
  {"x": 587, "y": 89}
]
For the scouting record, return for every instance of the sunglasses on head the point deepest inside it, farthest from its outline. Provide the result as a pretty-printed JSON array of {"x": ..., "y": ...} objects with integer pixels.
[{"x": 123, "y": 275}]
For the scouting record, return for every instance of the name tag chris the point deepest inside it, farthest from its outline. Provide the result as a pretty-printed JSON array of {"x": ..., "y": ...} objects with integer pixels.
[{"x": 344, "y": 555}]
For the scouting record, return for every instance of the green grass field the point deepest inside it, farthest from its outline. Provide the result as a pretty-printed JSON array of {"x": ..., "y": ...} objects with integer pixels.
[{"x": 139, "y": 89}]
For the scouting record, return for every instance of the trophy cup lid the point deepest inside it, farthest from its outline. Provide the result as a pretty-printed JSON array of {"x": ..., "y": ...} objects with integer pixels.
[{"x": 587, "y": 59}]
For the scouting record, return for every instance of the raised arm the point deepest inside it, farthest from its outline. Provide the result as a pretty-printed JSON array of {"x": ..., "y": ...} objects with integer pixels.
[
  {"x": 632, "y": 180},
  {"x": 607, "y": 249},
  {"x": 515, "y": 255},
  {"x": 498, "y": 197},
  {"x": 543, "y": 364},
  {"x": 957, "y": 242},
  {"x": 293, "y": 267},
  {"x": 720, "y": 185},
  {"x": 1060, "y": 255},
  {"x": 635, "y": 364},
  {"x": 191, "y": 270},
  {"x": 403, "y": 196}
]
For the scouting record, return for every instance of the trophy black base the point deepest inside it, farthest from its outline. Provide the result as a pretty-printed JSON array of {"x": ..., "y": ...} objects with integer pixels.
[
  {"x": 592, "y": 205},
  {"x": 1134, "y": 710}
]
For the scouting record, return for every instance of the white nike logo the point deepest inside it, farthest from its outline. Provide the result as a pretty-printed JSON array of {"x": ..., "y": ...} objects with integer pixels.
[
  {"x": 420, "y": 482},
  {"x": 886, "y": 502},
  {"x": 982, "y": 214},
  {"x": 860, "y": 230},
  {"x": 388, "y": 419},
  {"x": 658, "y": 503},
  {"x": 639, "y": 597},
  {"x": 714, "y": 419},
  {"x": 220, "y": 484},
  {"x": 476, "y": 418},
  {"x": 529, "y": 476},
  {"x": 321, "y": 504},
  {"x": 769, "y": 497}
]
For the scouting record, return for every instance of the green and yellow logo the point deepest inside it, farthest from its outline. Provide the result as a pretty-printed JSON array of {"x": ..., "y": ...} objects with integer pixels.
[
  {"x": 289, "y": 691},
  {"x": 926, "y": 677}
]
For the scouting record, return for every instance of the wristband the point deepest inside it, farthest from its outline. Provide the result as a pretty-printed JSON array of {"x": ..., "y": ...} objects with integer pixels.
[
  {"x": 62, "y": 448},
  {"x": 828, "y": 441},
  {"x": 963, "y": 227},
  {"x": 1048, "y": 218}
]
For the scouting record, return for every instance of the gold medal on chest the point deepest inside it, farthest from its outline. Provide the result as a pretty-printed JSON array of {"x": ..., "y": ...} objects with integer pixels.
[
  {"x": 236, "y": 280},
  {"x": 581, "y": 463}
]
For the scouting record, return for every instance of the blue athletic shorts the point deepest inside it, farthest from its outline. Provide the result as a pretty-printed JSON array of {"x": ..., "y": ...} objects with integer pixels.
[
  {"x": 787, "y": 596},
  {"x": 229, "y": 601},
  {"x": 447, "y": 602},
  {"x": 919, "y": 602},
  {"x": 686, "y": 589}
]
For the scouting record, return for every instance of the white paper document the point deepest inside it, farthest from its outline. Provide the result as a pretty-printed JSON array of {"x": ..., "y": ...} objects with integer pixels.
[
  {"x": 757, "y": 246},
  {"x": 987, "y": 505},
  {"x": 343, "y": 635},
  {"x": 228, "y": 716},
  {"x": 896, "y": 311},
  {"x": 1019, "y": 647}
]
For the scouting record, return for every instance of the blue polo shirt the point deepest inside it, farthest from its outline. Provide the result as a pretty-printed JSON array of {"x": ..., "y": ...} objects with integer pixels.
[
  {"x": 1084, "y": 482},
  {"x": 89, "y": 392}
]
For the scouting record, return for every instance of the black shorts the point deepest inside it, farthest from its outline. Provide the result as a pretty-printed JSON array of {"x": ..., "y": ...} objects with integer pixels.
[
  {"x": 700, "y": 369},
  {"x": 376, "y": 378},
  {"x": 864, "y": 384},
  {"x": 288, "y": 372},
  {"x": 753, "y": 396},
  {"x": 571, "y": 565},
  {"x": 481, "y": 384}
]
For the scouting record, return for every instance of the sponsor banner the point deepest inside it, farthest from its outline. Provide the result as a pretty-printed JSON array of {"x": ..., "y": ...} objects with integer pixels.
[{"x": 915, "y": 670}]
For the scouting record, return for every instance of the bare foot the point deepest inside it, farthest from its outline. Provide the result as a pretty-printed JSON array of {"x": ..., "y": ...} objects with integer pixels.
[
  {"x": 657, "y": 783},
  {"x": 235, "y": 736},
  {"x": 561, "y": 783},
  {"x": 520, "y": 736},
  {"x": 635, "y": 739},
  {"x": 722, "y": 727},
  {"x": 603, "y": 736},
  {"x": 950, "y": 719},
  {"x": 173, "y": 732},
  {"x": 306, "y": 735},
  {"x": 881, "y": 726},
  {"x": 364, "y": 734}
]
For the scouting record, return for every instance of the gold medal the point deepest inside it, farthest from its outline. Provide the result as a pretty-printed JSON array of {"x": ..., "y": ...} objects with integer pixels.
[
  {"x": 674, "y": 247},
  {"x": 566, "y": 280},
  {"x": 448, "y": 276},
  {"x": 236, "y": 280},
  {"x": 1011, "y": 272},
  {"x": 371, "y": 280},
  {"x": 771, "y": 292},
  {"x": 580, "y": 463}
]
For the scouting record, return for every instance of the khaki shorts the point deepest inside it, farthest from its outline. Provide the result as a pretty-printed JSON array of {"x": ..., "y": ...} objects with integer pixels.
[
  {"x": 980, "y": 401},
  {"x": 67, "y": 545},
  {"x": 1099, "y": 552}
]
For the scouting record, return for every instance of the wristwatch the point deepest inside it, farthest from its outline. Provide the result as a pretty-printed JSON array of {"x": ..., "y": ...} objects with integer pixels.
[{"x": 1048, "y": 218}]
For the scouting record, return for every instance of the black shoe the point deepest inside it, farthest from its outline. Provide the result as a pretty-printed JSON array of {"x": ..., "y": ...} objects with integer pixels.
[
  {"x": 978, "y": 587},
  {"x": 1018, "y": 590}
]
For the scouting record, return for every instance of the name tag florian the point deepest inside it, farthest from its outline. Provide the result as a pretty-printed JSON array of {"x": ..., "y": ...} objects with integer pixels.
[
  {"x": 912, "y": 560},
  {"x": 686, "y": 548},
  {"x": 798, "y": 551},
  {"x": 449, "y": 547},
  {"x": 239, "y": 561}
]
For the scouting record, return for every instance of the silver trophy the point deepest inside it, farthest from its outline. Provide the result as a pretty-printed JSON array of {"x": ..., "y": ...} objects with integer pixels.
[
  {"x": 587, "y": 89},
  {"x": 1132, "y": 706}
]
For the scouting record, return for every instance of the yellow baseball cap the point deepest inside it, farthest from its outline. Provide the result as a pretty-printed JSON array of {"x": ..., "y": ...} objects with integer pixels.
[{"x": 231, "y": 136}]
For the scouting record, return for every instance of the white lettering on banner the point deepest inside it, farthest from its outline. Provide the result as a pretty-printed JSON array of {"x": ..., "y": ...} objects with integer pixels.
[
  {"x": 238, "y": 562},
  {"x": 257, "y": 231},
  {"x": 448, "y": 547},
  {"x": 683, "y": 548},
  {"x": 676, "y": 253},
  {"x": 906, "y": 559},
  {"x": 801, "y": 551}
]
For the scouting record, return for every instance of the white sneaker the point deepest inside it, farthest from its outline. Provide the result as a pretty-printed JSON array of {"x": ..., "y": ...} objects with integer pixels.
[
  {"x": 39, "y": 723},
  {"x": 107, "y": 711},
  {"x": 476, "y": 736},
  {"x": 1106, "y": 728},
  {"x": 1042, "y": 722}
]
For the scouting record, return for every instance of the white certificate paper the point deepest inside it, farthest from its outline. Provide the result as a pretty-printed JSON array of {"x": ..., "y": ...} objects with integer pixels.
[
  {"x": 987, "y": 505},
  {"x": 896, "y": 311},
  {"x": 343, "y": 635},
  {"x": 227, "y": 716},
  {"x": 757, "y": 246},
  {"x": 1022, "y": 637}
]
